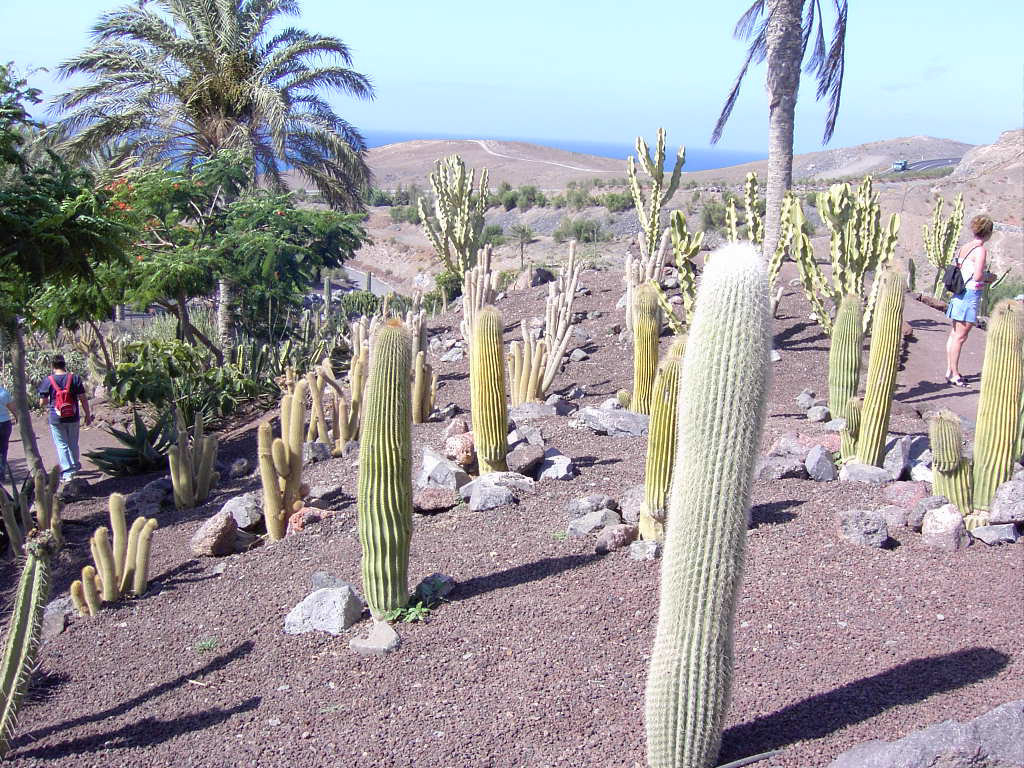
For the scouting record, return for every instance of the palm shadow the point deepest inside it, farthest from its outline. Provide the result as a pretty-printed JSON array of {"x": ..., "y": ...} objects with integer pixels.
[
  {"x": 520, "y": 574},
  {"x": 818, "y": 716},
  {"x": 773, "y": 513}
]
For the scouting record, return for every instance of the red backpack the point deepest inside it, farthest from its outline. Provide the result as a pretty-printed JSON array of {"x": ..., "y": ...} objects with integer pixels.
[{"x": 64, "y": 403}]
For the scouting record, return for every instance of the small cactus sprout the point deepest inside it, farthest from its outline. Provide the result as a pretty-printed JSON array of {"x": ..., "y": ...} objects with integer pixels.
[
  {"x": 848, "y": 446},
  {"x": 661, "y": 444},
  {"x": 1002, "y": 377},
  {"x": 952, "y": 472},
  {"x": 385, "y": 473},
  {"x": 646, "y": 330},
  {"x": 488, "y": 403},
  {"x": 723, "y": 388},
  {"x": 883, "y": 363},
  {"x": 280, "y": 462}
]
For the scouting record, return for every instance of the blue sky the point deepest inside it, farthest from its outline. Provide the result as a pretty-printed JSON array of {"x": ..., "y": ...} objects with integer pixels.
[{"x": 602, "y": 71}]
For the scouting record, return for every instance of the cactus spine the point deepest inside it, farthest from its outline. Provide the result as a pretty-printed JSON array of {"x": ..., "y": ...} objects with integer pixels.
[
  {"x": 646, "y": 330},
  {"x": 280, "y": 462},
  {"x": 952, "y": 472},
  {"x": 883, "y": 362},
  {"x": 487, "y": 392},
  {"x": 191, "y": 462},
  {"x": 844, "y": 355},
  {"x": 722, "y": 391},
  {"x": 385, "y": 473},
  {"x": 1002, "y": 377},
  {"x": 661, "y": 444}
]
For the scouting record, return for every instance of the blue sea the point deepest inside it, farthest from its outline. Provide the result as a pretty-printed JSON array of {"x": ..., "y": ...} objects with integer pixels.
[{"x": 697, "y": 158}]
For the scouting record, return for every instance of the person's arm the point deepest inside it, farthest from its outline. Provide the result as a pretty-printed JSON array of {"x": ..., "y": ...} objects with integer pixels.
[{"x": 83, "y": 403}]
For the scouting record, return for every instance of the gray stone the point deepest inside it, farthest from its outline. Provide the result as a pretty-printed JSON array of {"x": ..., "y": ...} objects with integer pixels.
[
  {"x": 434, "y": 588},
  {"x": 792, "y": 444},
  {"x": 511, "y": 480},
  {"x": 621, "y": 303},
  {"x": 381, "y": 640},
  {"x": 897, "y": 457},
  {"x": 632, "y": 503},
  {"x": 325, "y": 580},
  {"x": 433, "y": 499},
  {"x": 993, "y": 740},
  {"x": 611, "y": 404},
  {"x": 645, "y": 550},
  {"x": 556, "y": 466},
  {"x": 818, "y": 413},
  {"x": 55, "y": 617},
  {"x": 920, "y": 450},
  {"x": 444, "y": 413},
  {"x": 922, "y": 473},
  {"x": 215, "y": 537},
  {"x": 75, "y": 489},
  {"x": 820, "y": 466},
  {"x": 779, "y": 467},
  {"x": 562, "y": 406},
  {"x": 240, "y": 467},
  {"x": 1008, "y": 503},
  {"x": 614, "y": 537},
  {"x": 775, "y": 356},
  {"x": 438, "y": 472},
  {"x": 531, "y": 411},
  {"x": 524, "y": 458},
  {"x": 247, "y": 509},
  {"x": 895, "y": 516},
  {"x": 805, "y": 400},
  {"x": 350, "y": 450},
  {"x": 329, "y": 609},
  {"x": 578, "y": 355},
  {"x": 916, "y": 516},
  {"x": 243, "y": 541},
  {"x": 486, "y": 497},
  {"x": 835, "y": 425},
  {"x": 943, "y": 528},
  {"x": 526, "y": 433},
  {"x": 322, "y": 491},
  {"x": 1005, "y": 533},
  {"x": 614, "y": 423},
  {"x": 592, "y": 503},
  {"x": 863, "y": 527},
  {"x": 592, "y": 521},
  {"x": 454, "y": 355},
  {"x": 315, "y": 452},
  {"x": 863, "y": 473}
]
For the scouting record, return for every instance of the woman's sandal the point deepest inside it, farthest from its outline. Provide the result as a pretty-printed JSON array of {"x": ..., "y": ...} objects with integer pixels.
[{"x": 957, "y": 382}]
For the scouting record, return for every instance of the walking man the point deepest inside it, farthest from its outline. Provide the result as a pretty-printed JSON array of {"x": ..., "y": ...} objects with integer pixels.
[
  {"x": 63, "y": 394},
  {"x": 7, "y": 420}
]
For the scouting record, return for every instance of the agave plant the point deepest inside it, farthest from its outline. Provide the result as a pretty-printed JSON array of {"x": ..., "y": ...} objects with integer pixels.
[{"x": 145, "y": 448}]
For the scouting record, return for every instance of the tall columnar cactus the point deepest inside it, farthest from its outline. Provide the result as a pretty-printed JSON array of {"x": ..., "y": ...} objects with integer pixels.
[
  {"x": 646, "y": 330},
  {"x": 649, "y": 211},
  {"x": 528, "y": 361},
  {"x": 424, "y": 388},
  {"x": 280, "y": 462},
  {"x": 479, "y": 285},
  {"x": 558, "y": 318},
  {"x": 454, "y": 230},
  {"x": 951, "y": 471},
  {"x": 191, "y": 462},
  {"x": 883, "y": 363},
  {"x": 1002, "y": 377},
  {"x": 385, "y": 473},
  {"x": 723, "y": 388},
  {"x": 844, "y": 355},
  {"x": 487, "y": 391},
  {"x": 661, "y": 443},
  {"x": 940, "y": 239}
]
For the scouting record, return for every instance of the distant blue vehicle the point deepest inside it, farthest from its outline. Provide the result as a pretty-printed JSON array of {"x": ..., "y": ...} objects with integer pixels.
[{"x": 900, "y": 165}]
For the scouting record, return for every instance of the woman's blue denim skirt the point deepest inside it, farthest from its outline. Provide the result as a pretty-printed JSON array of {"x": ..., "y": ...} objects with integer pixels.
[{"x": 965, "y": 306}]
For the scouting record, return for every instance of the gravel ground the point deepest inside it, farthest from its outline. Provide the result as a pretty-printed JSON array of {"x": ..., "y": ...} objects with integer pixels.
[{"x": 540, "y": 657}]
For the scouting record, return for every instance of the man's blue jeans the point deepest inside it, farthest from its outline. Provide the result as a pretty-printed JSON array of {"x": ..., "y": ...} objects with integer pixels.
[{"x": 65, "y": 439}]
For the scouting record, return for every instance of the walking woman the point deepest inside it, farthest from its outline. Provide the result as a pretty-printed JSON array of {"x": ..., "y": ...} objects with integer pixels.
[{"x": 964, "y": 307}]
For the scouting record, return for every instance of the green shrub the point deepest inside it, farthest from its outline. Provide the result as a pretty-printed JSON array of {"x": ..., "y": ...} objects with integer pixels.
[
  {"x": 493, "y": 234},
  {"x": 506, "y": 277},
  {"x": 449, "y": 284},
  {"x": 408, "y": 214},
  {"x": 579, "y": 198},
  {"x": 375, "y": 196},
  {"x": 581, "y": 230},
  {"x": 558, "y": 201},
  {"x": 713, "y": 215},
  {"x": 617, "y": 201},
  {"x": 509, "y": 199},
  {"x": 356, "y": 303}
]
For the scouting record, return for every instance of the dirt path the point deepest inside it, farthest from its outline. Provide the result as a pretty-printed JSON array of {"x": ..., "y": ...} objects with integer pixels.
[{"x": 89, "y": 439}]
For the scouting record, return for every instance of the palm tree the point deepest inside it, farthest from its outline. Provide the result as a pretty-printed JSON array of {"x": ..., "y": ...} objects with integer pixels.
[
  {"x": 781, "y": 31},
  {"x": 177, "y": 79},
  {"x": 523, "y": 235}
]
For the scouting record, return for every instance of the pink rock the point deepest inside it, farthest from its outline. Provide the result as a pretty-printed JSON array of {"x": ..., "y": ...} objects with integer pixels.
[
  {"x": 943, "y": 528},
  {"x": 434, "y": 499},
  {"x": 830, "y": 441},
  {"x": 615, "y": 537},
  {"x": 906, "y": 493},
  {"x": 215, "y": 537},
  {"x": 456, "y": 426},
  {"x": 306, "y": 516},
  {"x": 461, "y": 450}
]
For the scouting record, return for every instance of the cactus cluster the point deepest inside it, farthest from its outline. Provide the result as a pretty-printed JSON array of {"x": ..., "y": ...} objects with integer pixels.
[
  {"x": 488, "y": 403},
  {"x": 951, "y": 471},
  {"x": 424, "y": 380},
  {"x": 385, "y": 473},
  {"x": 479, "y": 286},
  {"x": 120, "y": 566},
  {"x": 528, "y": 362},
  {"x": 454, "y": 230},
  {"x": 752, "y": 203},
  {"x": 192, "y": 463},
  {"x": 722, "y": 393},
  {"x": 280, "y": 462},
  {"x": 661, "y": 443}
]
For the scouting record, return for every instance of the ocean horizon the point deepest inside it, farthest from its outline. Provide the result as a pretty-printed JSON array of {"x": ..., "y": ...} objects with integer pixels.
[{"x": 697, "y": 158}]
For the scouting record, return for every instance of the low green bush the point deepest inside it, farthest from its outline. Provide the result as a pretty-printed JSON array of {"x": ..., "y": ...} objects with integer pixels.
[
  {"x": 493, "y": 234},
  {"x": 617, "y": 201},
  {"x": 356, "y": 303},
  {"x": 582, "y": 230}
]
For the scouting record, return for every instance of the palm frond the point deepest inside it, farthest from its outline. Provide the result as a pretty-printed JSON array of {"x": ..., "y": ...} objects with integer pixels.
[
  {"x": 832, "y": 69},
  {"x": 756, "y": 53}
]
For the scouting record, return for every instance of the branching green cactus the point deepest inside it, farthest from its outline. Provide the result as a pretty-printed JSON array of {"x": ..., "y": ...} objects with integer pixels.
[
  {"x": 951, "y": 471},
  {"x": 455, "y": 228},
  {"x": 487, "y": 391},
  {"x": 661, "y": 443},
  {"x": 649, "y": 211},
  {"x": 685, "y": 247},
  {"x": 1002, "y": 378},
  {"x": 646, "y": 330},
  {"x": 752, "y": 220},
  {"x": 280, "y": 462},
  {"x": 844, "y": 356},
  {"x": 191, "y": 462},
  {"x": 723, "y": 388},
  {"x": 385, "y": 473},
  {"x": 122, "y": 566},
  {"x": 883, "y": 363},
  {"x": 940, "y": 239}
]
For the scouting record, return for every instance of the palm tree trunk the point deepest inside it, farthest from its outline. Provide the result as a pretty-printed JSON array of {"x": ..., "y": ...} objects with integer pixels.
[
  {"x": 225, "y": 326},
  {"x": 782, "y": 40},
  {"x": 33, "y": 459}
]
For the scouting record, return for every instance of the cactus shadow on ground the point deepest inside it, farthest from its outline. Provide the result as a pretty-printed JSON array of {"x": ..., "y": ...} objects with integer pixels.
[
  {"x": 861, "y": 700},
  {"x": 520, "y": 574},
  {"x": 773, "y": 513}
]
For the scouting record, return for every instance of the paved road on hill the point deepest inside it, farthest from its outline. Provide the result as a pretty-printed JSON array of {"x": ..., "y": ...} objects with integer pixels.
[
  {"x": 924, "y": 165},
  {"x": 489, "y": 151}
]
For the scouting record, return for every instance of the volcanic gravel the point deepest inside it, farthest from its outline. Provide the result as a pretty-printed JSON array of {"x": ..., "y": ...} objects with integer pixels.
[{"x": 540, "y": 657}]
